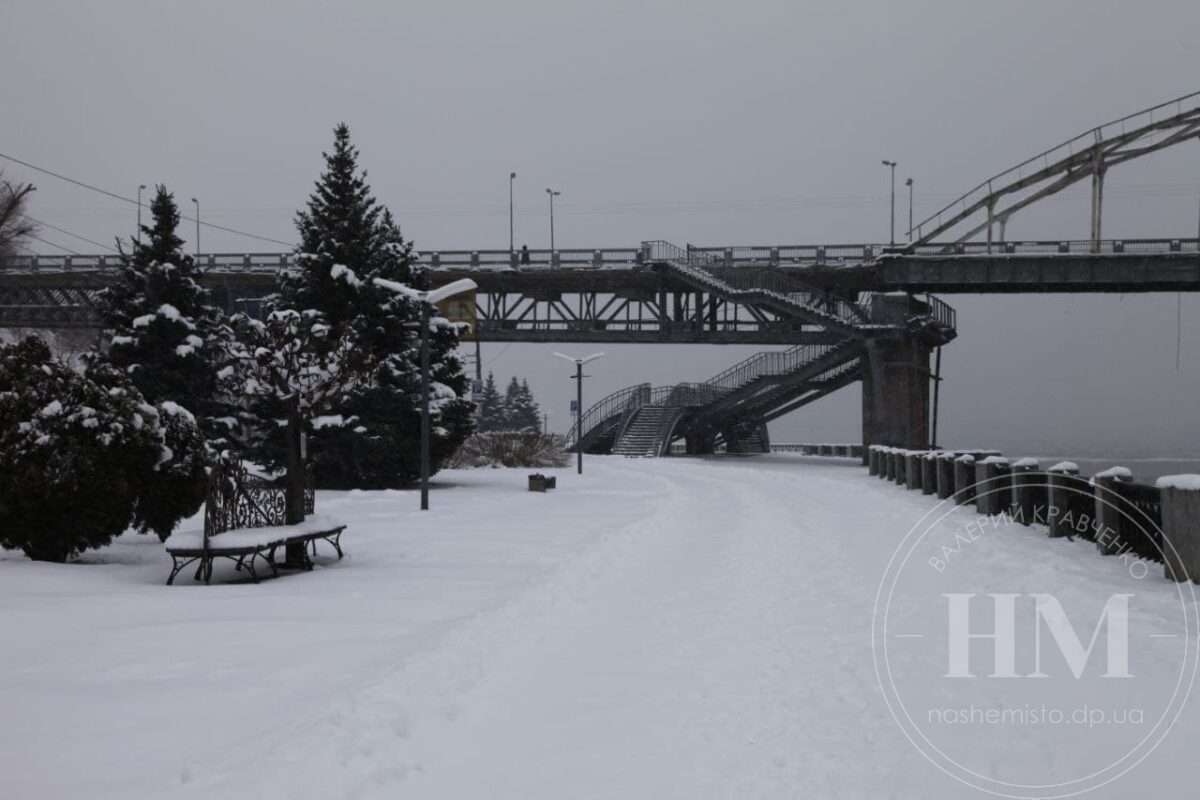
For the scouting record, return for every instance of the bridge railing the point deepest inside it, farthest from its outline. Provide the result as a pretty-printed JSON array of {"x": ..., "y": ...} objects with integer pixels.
[
  {"x": 630, "y": 257},
  {"x": 1060, "y": 247},
  {"x": 782, "y": 255}
]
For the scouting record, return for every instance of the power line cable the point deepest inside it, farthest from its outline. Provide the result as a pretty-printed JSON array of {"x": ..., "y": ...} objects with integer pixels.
[
  {"x": 133, "y": 202},
  {"x": 69, "y": 233},
  {"x": 56, "y": 246}
]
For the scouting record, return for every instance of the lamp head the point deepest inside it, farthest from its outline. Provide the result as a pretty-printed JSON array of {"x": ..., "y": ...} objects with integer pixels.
[{"x": 449, "y": 290}]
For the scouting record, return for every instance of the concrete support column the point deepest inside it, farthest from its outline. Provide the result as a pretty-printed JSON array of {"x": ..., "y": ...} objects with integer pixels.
[
  {"x": 945, "y": 475},
  {"x": 993, "y": 490},
  {"x": 964, "y": 479},
  {"x": 895, "y": 395},
  {"x": 1111, "y": 510},
  {"x": 1181, "y": 526},
  {"x": 1029, "y": 495}
]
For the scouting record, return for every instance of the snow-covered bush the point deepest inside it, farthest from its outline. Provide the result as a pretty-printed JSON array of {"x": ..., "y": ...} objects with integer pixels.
[
  {"x": 82, "y": 458},
  {"x": 513, "y": 449}
]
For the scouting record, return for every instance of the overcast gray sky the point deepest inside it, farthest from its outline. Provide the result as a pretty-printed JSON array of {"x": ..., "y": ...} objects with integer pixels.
[{"x": 703, "y": 122}]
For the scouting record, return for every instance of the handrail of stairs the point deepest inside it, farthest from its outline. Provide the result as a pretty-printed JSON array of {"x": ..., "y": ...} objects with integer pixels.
[{"x": 604, "y": 409}]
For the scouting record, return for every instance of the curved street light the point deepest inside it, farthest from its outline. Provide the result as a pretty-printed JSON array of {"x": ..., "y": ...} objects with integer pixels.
[
  {"x": 579, "y": 376},
  {"x": 427, "y": 299}
]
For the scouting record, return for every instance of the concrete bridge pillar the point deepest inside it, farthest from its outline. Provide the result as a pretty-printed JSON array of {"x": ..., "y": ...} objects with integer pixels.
[{"x": 895, "y": 392}]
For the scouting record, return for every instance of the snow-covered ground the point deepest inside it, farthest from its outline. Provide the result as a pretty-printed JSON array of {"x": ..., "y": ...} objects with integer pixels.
[{"x": 668, "y": 628}]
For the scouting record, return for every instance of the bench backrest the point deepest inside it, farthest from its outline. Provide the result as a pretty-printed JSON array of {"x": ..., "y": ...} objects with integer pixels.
[{"x": 237, "y": 498}]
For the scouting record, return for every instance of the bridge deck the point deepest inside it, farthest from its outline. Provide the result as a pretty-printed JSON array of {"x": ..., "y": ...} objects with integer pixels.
[{"x": 615, "y": 295}]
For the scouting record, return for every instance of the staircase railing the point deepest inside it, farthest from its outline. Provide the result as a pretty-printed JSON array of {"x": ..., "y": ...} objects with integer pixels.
[
  {"x": 941, "y": 312},
  {"x": 698, "y": 265},
  {"x": 788, "y": 288},
  {"x": 772, "y": 363},
  {"x": 619, "y": 402}
]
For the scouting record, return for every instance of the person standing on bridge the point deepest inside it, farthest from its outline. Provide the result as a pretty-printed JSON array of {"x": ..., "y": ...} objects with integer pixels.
[{"x": 524, "y": 254}]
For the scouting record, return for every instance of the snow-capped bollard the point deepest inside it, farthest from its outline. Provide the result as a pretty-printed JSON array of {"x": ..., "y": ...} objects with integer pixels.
[
  {"x": 945, "y": 475},
  {"x": 901, "y": 464},
  {"x": 1180, "y": 495},
  {"x": 873, "y": 460},
  {"x": 929, "y": 483},
  {"x": 1064, "y": 485},
  {"x": 993, "y": 490},
  {"x": 888, "y": 473},
  {"x": 1028, "y": 492},
  {"x": 964, "y": 479},
  {"x": 912, "y": 469},
  {"x": 1111, "y": 509}
]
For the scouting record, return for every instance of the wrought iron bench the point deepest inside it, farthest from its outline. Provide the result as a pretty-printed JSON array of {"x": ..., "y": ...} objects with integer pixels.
[{"x": 244, "y": 521}]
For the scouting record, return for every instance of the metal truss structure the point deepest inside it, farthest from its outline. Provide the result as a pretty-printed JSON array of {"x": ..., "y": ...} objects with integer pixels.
[{"x": 1089, "y": 155}]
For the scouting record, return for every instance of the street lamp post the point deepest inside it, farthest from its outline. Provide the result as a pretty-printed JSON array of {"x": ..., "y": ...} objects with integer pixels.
[
  {"x": 553, "y": 194},
  {"x": 892, "y": 165},
  {"x": 909, "y": 184},
  {"x": 197, "y": 202},
  {"x": 579, "y": 376},
  {"x": 428, "y": 301},
  {"x": 512, "y": 253},
  {"x": 141, "y": 188}
]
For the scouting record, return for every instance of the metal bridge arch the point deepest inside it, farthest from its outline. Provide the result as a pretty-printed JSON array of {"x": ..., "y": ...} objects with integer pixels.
[{"x": 1089, "y": 155}]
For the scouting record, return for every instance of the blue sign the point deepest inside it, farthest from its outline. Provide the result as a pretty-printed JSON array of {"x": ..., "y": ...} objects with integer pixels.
[{"x": 574, "y": 406}]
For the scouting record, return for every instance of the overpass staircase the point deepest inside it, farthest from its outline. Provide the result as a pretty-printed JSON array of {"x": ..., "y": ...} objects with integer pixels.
[{"x": 731, "y": 409}]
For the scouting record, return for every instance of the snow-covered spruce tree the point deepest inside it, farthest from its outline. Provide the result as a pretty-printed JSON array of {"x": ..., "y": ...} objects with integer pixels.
[
  {"x": 77, "y": 455},
  {"x": 491, "y": 407},
  {"x": 527, "y": 416},
  {"x": 161, "y": 325},
  {"x": 347, "y": 240}
]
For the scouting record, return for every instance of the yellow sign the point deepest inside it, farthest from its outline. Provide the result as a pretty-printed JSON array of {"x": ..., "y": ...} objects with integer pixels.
[{"x": 460, "y": 309}]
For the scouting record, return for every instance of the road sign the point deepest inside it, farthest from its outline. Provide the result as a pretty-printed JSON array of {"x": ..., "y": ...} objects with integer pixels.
[{"x": 574, "y": 406}]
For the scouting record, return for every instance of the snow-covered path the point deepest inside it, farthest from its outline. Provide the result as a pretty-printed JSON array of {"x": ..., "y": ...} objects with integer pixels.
[
  {"x": 697, "y": 662},
  {"x": 668, "y": 628}
]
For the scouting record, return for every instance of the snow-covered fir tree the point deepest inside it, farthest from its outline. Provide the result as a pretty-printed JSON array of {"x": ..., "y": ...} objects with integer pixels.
[
  {"x": 520, "y": 409},
  {"x": 527, "y": 415},
  {"x": 160, "y": 323},
  {"x": 348, "y": 242},
  {"x": 515, "y": 410},
  {"x": 491, "y": 406},
  {"x": 85, "y": 459}
]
